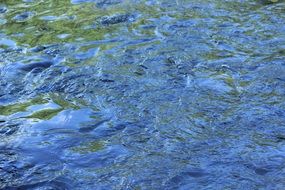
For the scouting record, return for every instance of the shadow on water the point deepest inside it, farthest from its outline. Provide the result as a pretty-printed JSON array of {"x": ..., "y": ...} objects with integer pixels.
[{"x": 125, "y": 94}]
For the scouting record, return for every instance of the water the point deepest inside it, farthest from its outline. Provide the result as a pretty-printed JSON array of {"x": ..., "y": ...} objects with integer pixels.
[{"x": 142, "y": 94}]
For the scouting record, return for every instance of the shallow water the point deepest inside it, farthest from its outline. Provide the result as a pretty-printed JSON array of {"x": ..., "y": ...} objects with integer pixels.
[{"x": 142, "y": 94}]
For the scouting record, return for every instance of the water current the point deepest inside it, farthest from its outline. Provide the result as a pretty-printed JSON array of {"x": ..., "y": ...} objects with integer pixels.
[{"x": 142, "y": 94}]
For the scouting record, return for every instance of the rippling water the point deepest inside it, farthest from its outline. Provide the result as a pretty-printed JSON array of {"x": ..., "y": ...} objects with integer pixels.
[{"x": 142, "y": 94}]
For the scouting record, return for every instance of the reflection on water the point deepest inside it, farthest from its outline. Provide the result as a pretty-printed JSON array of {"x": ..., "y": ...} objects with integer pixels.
[{"x": 124, "y": 94}]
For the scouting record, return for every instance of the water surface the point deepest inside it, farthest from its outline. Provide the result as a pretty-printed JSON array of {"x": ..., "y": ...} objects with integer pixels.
[{"x": 142, "y": 94}]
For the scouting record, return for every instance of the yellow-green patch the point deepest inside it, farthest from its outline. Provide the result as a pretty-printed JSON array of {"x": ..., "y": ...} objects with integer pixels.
[
  {"x": 20, "y": 107},
  {"x": 90, "y": 147},
  {"x": 45, "y": 114}
]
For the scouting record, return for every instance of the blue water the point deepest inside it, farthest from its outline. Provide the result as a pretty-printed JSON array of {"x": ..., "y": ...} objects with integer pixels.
[{"x": 142, "y": 94}]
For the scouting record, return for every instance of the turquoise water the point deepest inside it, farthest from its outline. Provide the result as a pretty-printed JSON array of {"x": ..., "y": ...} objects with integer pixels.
[{"x": 145, "y": 94}]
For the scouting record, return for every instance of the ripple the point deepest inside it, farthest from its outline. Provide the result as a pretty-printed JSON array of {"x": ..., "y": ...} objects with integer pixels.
[
  {"x": 142, "y": 94},
  {"x": 3, "y": 9},
  {"x": 22, "y": 17}
]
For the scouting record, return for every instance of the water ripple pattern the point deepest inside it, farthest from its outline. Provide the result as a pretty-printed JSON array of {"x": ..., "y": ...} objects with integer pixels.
[{"x": 142, "y": 94}]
